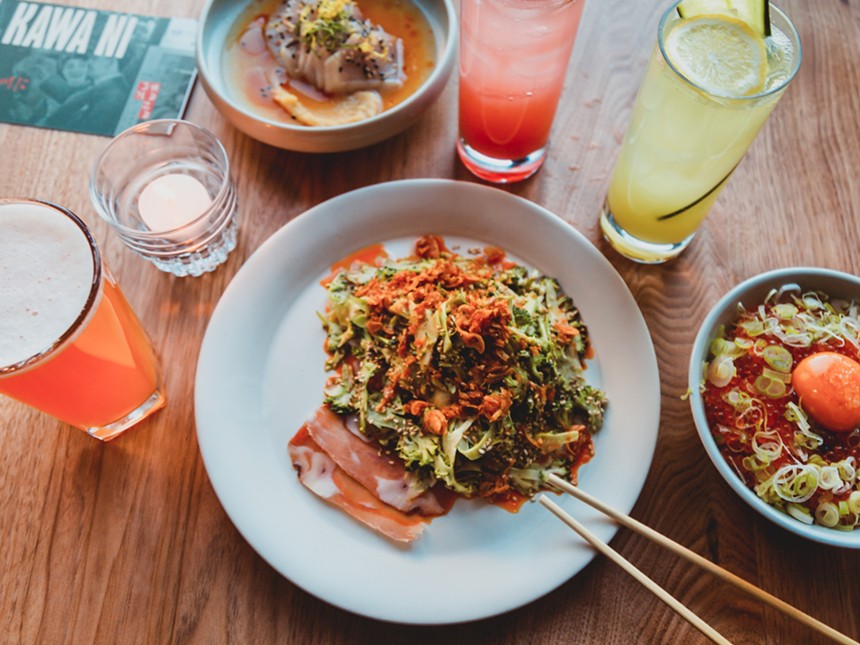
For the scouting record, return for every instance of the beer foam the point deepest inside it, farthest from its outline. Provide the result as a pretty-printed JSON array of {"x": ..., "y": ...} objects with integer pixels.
[{"x": 46, "y": 273}]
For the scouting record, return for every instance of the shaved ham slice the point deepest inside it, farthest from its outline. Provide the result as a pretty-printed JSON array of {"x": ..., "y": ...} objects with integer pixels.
[
  {"x": 321, "y": 475},
  {"x": 382, "y": 475}
]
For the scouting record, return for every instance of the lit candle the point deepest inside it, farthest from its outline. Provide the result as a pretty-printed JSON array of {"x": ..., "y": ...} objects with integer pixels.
[{"x": 171, "y": 201}]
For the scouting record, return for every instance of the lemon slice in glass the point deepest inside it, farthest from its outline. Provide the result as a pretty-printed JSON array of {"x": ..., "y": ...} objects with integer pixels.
[{"x": 720, "y": 54}]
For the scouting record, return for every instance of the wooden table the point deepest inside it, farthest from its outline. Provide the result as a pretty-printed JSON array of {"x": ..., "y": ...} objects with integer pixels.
[{"x": 127, "y": 543}]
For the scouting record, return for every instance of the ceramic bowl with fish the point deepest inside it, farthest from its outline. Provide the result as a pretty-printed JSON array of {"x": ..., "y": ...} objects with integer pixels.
[{"x": 325, "y": 75}]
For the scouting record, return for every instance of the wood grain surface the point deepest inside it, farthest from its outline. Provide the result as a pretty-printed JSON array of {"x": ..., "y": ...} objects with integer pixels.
[{"x": 127, "y": 543}]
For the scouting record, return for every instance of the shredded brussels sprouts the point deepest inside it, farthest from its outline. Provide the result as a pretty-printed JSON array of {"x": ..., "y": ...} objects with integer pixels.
[{"x": 468, "y": 369}]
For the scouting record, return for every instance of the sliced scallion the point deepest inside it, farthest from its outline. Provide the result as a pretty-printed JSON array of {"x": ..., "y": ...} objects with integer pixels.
[
  {"x": 743, "y": 343},
  {"x": 827, "y": 514},
  {"x": 854, "y": 501},
  {"x": 828, "y": 478},
  {"x": 847, "y": 471},
  {"x": 798, "y": 512},
  {"x": 721, "y": 371},
  {"x": 774, "y": 375},
  {"x": 775, "y": 389},
  {"x": 795, "y": 482},
  {"x": 785, "y": 311},
  {"x": 752, "y": 327},
  {"x": 779, "y": 358}
]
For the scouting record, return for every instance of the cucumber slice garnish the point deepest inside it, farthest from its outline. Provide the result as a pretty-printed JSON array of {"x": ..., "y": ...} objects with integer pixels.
[{"x": 755, "y": 13}]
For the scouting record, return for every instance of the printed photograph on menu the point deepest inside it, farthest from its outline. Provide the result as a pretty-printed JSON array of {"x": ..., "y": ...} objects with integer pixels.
[{"x": 97, "y": 72}]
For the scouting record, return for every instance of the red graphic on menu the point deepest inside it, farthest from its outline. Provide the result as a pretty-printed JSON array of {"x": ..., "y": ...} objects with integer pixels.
[
  {"x": 14, "y": 83},
  {"x": 147, "y": 94}
]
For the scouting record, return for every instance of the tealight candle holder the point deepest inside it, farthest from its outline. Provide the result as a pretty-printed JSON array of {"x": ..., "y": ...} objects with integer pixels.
[{"x": 164, "y": 186}]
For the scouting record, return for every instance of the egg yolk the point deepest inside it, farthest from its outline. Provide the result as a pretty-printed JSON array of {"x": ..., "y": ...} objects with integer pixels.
[{"x": 829, "y": 388}]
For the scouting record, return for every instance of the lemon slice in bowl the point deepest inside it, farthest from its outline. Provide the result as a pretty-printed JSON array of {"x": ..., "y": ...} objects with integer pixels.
[{"x": 720, "y": 54}]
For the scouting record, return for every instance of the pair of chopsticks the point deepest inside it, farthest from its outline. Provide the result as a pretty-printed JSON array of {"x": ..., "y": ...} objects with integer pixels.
[{"x": 677, "y": 549}]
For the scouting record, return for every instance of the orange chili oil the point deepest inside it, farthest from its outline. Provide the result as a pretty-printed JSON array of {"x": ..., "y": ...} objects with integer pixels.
[
  {"x": 373, "y": 254},
  {"x": 510, "y": 500}
]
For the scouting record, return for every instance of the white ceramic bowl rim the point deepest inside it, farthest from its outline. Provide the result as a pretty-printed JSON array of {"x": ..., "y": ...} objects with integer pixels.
[
  {"x": 439, "y": 68},
  {"x": 723, "y": 311}
]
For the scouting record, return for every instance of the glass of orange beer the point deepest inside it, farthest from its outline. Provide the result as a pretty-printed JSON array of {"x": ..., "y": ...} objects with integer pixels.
[{"x": 70, "y": 344}]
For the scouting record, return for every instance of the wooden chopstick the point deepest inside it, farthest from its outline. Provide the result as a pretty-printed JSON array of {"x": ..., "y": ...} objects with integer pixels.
[
  {"x": 618, "y": 559},
  {"x": 704, "y": 563}
]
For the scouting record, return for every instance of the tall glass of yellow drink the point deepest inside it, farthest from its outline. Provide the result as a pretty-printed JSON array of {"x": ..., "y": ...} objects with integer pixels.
[{"x": 711, "y": 84}]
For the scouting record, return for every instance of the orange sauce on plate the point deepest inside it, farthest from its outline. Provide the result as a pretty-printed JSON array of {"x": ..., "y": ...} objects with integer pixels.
[{"x": 373, "y": 254}]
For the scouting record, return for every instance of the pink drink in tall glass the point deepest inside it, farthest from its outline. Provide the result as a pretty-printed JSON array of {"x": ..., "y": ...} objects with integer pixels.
[{"x": 513, "y": 61}]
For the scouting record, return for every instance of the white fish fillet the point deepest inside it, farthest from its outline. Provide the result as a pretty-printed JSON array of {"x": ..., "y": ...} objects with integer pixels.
[{"x": 364, "y": 56}]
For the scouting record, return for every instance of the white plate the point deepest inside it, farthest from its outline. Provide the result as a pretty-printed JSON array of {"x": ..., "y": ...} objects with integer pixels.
[{"x": 260, "y": 374}]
